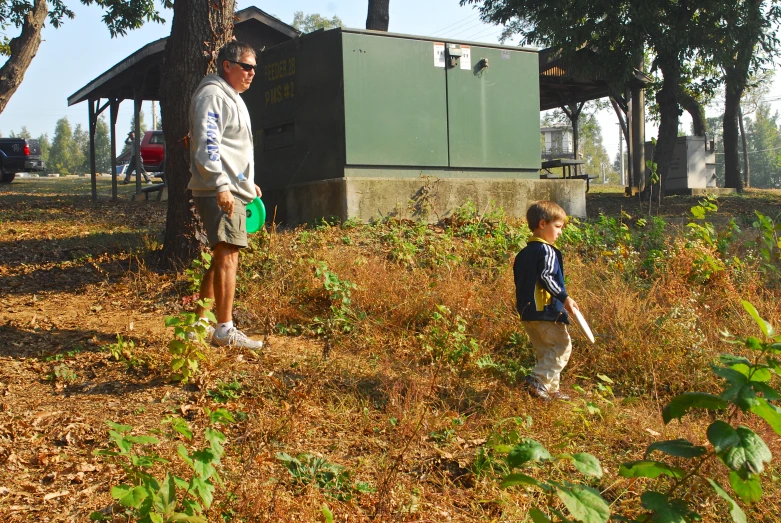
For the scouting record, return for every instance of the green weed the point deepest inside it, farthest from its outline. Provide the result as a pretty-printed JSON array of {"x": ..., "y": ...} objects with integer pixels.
[
  {"x": 144, "y": 498},
  {"x": 123, "y": 350},
  {"x": 225, "y": 391},
  {"x": 446, "y": 340},
  {"x": 334, "y": 480},
  {"x": 187, "y": 345}
]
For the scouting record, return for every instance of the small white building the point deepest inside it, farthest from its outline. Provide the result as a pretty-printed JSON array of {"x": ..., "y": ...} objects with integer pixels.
[{"x": 556, "y": 142}]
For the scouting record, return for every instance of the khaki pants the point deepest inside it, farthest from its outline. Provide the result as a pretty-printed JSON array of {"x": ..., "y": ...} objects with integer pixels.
[{"x": 553, "y": 345}]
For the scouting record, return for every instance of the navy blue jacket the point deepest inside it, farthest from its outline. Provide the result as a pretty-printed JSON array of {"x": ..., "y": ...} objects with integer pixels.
[{"x": 539, "y": 282}]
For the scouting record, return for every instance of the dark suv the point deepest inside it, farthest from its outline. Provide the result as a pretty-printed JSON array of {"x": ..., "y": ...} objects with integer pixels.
[{"x": 19, "y": 155}]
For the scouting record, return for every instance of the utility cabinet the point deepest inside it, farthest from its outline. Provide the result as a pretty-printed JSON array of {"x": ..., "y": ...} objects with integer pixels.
[
  {"x": 343, "y": 107},
  {"x": 692, "y": 166}
]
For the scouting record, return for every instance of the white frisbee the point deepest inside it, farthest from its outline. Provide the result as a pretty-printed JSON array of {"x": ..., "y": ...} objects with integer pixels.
[{"x": 581, "y": 321}]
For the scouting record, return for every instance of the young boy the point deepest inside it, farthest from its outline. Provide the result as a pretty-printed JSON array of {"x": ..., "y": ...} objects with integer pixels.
[{"x": 542, "y": 300}]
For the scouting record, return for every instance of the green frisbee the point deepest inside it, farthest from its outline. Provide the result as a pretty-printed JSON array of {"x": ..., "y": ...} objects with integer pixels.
[{"x": 256, "y": 215}]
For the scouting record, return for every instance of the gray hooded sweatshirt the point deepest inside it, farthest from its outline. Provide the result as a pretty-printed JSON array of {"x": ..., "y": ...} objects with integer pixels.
[{"x": 221, "y": 148}]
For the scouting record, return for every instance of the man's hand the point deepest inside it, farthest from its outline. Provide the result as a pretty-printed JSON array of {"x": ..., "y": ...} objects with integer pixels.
[
  {"x": 226, "y": 202},
  {"x": 570, "y": 305},
  {"x": 257, "y": 191}
]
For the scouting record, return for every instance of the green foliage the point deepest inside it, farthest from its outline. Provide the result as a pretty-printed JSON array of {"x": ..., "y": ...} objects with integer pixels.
[
  {"x": 197, "y": 269},
  {"x": 314, "y": 21},
  {"x": 334, "y": 480},
  {"x": 341, "y": 317},
  {"x": 768, "y": 242},
  {"x": 225, "y": 391},
  {"x": 764, "y": 144},
  {"x": 710, "y": 246},
  {"x": 446, "y": 340},
  {"x": 122, "y": 351},
  {"x": 583, "y": 503},
  {"x": 62, "y": 372},
  {"x": 739, "y": 449},
  {"x": 189, "y": 340},
  {"x": 448, "y": 433},
  {"x": 149, "y": 500},
  {"x": 64, "y": 155}
]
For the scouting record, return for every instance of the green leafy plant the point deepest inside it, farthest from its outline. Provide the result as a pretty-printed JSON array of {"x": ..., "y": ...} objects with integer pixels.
[
  {"x": 63, "y": 373},
  {"x": 144, "y": 498},
  {"x": 122, "y": 351},
  {"x": 334, "y": 480},
  {"x": 67, "y": 354},
  {"x": 446, "y": 340},
  {"x": 197, "y": 268},
  {"x": 341, "y": 316},
  {"x": 189, "y": 339},
  {"x": 225, "y": 391},
  {"x": 446, "y": 434},
  {"x": 769, "y": 241},
  {"x": 583, "y": 502},
  {"x": 679, "y": 466},
  {"x": 712, "y": 244}
]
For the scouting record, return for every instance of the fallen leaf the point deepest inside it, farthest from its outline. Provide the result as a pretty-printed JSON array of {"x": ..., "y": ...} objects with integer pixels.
[{"x": 53, "y": 495}]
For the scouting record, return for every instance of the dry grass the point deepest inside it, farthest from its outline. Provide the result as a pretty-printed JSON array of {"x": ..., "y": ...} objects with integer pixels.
[{"x": 379, "y": 404}]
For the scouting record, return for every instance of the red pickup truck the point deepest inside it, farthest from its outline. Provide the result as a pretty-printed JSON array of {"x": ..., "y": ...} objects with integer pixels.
[{"x": 153, "y": 151}]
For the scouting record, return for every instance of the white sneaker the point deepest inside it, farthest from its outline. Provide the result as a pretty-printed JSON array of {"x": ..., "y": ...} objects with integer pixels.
[
  {"x": 209, "y": 332},
  {"x": 237, "y": 339}
]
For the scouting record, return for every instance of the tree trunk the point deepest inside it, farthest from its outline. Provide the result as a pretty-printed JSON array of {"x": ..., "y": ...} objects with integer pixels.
[
  {"x": 736, "y": 74},
  {"x": 744, "y": 142},
  {"x": 198, "y": 31},
  {"x": 696, "y": 111},
  {"x": 378, "y": 16},
  {"x": 668, "y": 127},
  {"x": 731, "y": 155},
  {"x": 23, "y": 50}
]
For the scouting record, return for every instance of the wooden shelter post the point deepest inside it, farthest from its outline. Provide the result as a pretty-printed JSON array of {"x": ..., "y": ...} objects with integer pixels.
[
  {"x": 638, "y": 130},
  {"x": 137, "y": 139},
  {"x": 113, "y": 110},
  {"x": 92, "y": 120}
]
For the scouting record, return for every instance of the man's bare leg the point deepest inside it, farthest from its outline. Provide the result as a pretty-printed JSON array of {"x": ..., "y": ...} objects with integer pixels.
[
  {"x": 225, "y": 264},
  {"x": 219, "y": 282}
]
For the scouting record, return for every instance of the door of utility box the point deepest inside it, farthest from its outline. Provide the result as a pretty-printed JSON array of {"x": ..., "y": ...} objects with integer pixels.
[{"x": 421, "y": 103}]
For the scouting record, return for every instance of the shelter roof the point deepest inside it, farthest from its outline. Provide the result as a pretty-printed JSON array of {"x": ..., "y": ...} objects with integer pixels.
[
  {"x": 568, "y": 80},
  {"x": 141, "y": 70}
]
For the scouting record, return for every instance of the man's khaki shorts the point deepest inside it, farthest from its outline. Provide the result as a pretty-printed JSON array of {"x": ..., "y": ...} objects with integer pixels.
[{"x": 219, "y": 227}]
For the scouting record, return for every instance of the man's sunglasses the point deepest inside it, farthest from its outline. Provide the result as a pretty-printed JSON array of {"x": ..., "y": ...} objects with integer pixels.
[{"x": 247, "y": 67}]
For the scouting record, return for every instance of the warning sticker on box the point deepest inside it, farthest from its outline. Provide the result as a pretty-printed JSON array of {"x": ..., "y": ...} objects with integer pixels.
[
  {"x": 466, "y": 58},
  {"x": 505, "y": 54},
  {"x": 439, "y": 54}
]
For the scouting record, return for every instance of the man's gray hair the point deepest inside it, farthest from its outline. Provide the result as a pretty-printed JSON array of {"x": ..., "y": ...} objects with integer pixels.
[{"x": 232, "y": 52}]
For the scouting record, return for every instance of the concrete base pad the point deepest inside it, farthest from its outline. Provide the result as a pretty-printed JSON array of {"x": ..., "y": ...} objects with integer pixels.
[{"x": 425, "y": 199}]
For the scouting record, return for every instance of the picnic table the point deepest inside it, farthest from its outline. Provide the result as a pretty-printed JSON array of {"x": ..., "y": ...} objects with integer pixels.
[{"x": 569, "y": 169}]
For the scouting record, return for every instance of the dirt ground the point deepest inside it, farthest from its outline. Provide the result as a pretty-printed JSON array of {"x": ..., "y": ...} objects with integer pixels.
[
  {"x": 73, "y": 277},
  {"x": 611, "y": 201}
]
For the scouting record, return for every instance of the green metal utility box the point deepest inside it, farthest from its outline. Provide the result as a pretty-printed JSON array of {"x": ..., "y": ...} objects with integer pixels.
[{"x": 341, "y": 113}]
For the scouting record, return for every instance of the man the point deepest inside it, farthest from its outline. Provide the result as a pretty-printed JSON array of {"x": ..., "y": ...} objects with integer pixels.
[
  {"x": 131, "y": 142},
  {"x": 222, "y": 172}
]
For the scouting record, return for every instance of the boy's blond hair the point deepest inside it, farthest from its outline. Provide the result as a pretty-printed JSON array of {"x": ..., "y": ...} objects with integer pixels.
[{"x": 544, "y": 210}]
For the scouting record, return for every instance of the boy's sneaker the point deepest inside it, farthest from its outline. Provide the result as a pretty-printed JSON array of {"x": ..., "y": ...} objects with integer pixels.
[
  {"x": 237, "y": 339},
  {"x": 536, "y": 388},
  {"x": 558, "y": 395}
]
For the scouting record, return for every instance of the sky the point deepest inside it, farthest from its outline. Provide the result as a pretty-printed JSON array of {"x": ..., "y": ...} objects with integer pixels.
[{"x": 81, "y": 49}]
